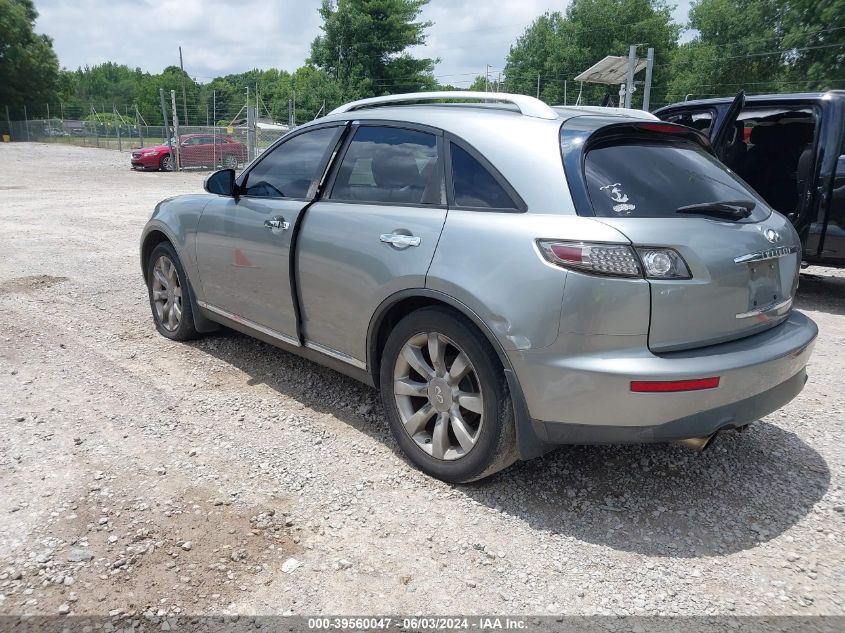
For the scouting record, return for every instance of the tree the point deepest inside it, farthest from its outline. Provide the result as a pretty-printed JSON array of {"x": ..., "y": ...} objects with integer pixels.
[
  {"x": 364, "y": 44},
  {"x": 557, "y": 47},
  {"x": 29, "y": 68},
  {"x": 760, "y": 46}
]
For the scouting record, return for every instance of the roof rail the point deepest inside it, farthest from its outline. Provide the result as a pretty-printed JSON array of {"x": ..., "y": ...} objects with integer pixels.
[{"x": 528, "y": 106}]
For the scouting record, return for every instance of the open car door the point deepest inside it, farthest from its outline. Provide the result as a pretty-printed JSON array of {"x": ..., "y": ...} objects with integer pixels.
[{"x": 722, "y": 134}]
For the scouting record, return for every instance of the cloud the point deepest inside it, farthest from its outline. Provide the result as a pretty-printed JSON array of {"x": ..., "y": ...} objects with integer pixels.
[{"x": 220, "y": 36}]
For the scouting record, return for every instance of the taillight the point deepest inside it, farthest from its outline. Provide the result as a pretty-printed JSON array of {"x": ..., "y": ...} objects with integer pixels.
[
  {"x": 618, "y": 260},
  {"x": 603, "y": 259},
  {"x": 663, "y": 263}
]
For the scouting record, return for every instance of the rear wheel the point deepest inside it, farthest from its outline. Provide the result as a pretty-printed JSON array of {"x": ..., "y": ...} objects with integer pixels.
[
  {"x": 166, "y": 163},
  {"x": 446, "y": 397},
  {"x": 168, "y": 291},
  {"x": 230, "y": 161}
]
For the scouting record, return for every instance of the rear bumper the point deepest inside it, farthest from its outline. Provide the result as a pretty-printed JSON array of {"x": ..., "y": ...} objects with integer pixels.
[{"x": 586, "y": 397}]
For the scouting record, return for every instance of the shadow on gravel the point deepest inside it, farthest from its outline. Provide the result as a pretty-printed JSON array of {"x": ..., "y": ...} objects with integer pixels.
[
  {"x": 821, "y": 293},
  {"x": 666, "y": 500},
  {"x": 655, "y": 499}
]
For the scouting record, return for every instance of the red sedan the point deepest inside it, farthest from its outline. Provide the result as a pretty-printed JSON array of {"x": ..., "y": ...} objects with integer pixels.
[{"x": 195, "y": 150}]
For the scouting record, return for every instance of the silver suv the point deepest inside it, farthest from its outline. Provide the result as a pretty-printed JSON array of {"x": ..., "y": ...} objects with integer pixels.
[{"x": 510, "y": 275}]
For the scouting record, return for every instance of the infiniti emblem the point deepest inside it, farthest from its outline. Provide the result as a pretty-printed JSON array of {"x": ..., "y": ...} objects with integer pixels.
[
  {"x": 438, "y": 393},
  {"x": 772, "y": 235}
]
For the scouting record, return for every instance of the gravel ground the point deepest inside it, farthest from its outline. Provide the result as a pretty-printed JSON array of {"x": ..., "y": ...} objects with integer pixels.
[{"x": 143, "y": 476}]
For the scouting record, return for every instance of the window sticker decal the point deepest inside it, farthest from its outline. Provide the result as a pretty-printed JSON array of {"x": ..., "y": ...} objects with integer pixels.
[{"x": 619, "y": 197}]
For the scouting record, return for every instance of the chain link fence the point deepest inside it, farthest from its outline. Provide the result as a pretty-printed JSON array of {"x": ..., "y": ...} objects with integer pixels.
[{"x": 205, "y": 146}]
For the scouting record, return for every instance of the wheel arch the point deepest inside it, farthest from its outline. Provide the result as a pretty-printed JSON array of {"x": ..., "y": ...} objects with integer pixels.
[
  {"x": 149, "y": 241},
  {"x": 402, "y": 303},
  {"x": 152, "y": 239}
]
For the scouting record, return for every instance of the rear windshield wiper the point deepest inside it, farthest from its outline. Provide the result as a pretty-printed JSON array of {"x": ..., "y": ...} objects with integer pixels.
[{"x": 729, "y": 209}]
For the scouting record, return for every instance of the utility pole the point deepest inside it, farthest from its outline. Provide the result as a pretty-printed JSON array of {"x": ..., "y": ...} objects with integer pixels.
[
  {"x": 632, "y": 66},
  {"x": 184, "y": 101},
  {"x": 649, "y": 67},
  {"x": 487, "y": 79},
  {"x": 166, "y": 124},
  {"x": 176, "y": 129}
]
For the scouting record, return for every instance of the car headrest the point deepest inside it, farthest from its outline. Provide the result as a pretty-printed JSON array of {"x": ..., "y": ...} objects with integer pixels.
[
  {"x": 394, "y": 167},
  {"x": 764, "y": 135}
]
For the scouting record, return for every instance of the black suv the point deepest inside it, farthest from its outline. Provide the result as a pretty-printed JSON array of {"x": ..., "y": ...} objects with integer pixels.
[{"x": 791, "y": 149}]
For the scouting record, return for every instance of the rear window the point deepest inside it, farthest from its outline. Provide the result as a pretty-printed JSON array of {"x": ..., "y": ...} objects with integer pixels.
[{"x": 652, "y": 180}]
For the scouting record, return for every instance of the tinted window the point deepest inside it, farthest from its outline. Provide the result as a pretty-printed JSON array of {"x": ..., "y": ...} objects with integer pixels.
[
  {"x": 474, "y": 185},
  {"x": 701, "y": 121},
  {"x": 386, "y": 164},
  {"x": 652, "y": 180},
  {"x": 290, "y": 170}
]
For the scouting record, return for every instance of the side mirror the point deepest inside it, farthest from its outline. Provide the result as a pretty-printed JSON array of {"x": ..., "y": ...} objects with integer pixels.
[{"x": 221, "y": 183}]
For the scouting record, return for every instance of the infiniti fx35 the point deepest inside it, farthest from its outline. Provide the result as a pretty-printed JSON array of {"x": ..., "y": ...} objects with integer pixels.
[{"x": 509, "y": 275}]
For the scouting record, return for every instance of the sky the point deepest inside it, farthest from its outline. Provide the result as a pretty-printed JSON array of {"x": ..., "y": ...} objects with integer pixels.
[{"x": 219, "y": 37}]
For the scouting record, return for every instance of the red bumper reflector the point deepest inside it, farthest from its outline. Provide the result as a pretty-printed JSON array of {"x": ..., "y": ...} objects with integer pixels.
[{"x": 663, "y": 386}]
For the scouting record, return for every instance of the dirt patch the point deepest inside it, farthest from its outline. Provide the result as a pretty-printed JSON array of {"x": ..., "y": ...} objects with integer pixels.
[
  {"x": 191, "y": 553},
  {"x": 32, "y": 283}
]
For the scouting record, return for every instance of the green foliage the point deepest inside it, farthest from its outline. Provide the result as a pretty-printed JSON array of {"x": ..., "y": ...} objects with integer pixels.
[
  {"x": 364, "y": 44},
  {"x": 559, "y": 46},
  {"x": 28, "y": 66},
  {"x": 761, "y": 46}
]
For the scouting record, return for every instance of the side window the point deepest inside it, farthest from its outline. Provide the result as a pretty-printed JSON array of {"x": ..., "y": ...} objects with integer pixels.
[
  {"x": 701, "y": 121},
  {"x": 292, "y": 169},
  {"x": 385, "y": 164},
  {"x": 474, "y": 185}
]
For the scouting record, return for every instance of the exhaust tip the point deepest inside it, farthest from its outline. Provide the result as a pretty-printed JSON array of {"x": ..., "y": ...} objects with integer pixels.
[{"x": 698, "y": 444}]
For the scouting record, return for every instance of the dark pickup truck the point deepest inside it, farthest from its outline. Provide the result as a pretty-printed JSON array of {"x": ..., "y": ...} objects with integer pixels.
[{"x": 791, "y": 149}]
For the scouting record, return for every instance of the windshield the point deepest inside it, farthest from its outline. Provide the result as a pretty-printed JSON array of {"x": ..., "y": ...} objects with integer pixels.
[{"x": 653, "y": 180}]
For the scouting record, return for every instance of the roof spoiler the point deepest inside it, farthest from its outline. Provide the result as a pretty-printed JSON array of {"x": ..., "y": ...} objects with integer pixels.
[{"x": 527, "y": 106}]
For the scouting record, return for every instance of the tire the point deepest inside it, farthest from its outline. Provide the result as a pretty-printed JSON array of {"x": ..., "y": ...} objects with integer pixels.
[
  {"x": 165, "y": 164},
  {"x": 230, "y": 161},
  {"x": 169, "y": 303},
  {"x": 480, "y": 436}
]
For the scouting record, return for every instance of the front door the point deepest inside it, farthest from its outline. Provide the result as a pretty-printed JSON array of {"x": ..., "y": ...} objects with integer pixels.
[
  {"x": 243, "y": 243},
  {"x": 373, "y": 234}
]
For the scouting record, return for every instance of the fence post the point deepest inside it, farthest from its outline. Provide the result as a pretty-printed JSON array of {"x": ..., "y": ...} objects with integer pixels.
[
  {"x": 26, "y": 122},
  {"x": 138, "y": 125},
  {"x": 166, "y": 124},
  {"x": 176, "y": 129},
  {"x": 250, "y": 132},
  {"x": 9, "y": 122},
  {"x": 119, "y": 143},
  {"x": 214, "y": 114}
]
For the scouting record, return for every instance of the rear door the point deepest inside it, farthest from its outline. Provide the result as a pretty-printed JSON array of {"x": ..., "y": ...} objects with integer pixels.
[
  {"x": 244, "y": 242},
  {"x": 744, "y": 271},
  {"x": 372, "y": 235}
]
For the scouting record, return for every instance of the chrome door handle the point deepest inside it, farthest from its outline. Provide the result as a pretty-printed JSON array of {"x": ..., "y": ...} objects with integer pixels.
[
  {"x": 400, "y": 241},
  {"x": 276, "y": 223}
]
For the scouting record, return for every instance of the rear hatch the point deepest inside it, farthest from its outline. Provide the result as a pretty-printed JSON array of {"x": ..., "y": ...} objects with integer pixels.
[{"x": 660, "y": 186}]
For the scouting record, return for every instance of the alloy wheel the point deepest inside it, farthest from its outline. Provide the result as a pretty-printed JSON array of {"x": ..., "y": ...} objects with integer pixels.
[
  {"x": 438, "y": 396},
  {"x": 230, "y": 161},
  {"x": 166, "y": 164},
  {"x": 167, "y": 294}
]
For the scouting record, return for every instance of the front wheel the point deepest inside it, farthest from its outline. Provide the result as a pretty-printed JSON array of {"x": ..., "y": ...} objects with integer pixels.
[
  {"x": 446, "y": 397},
  {"x": 166, "y": 163},
  {"x": 230, "y": 161},
  {"x": 169, "y": 295}
]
